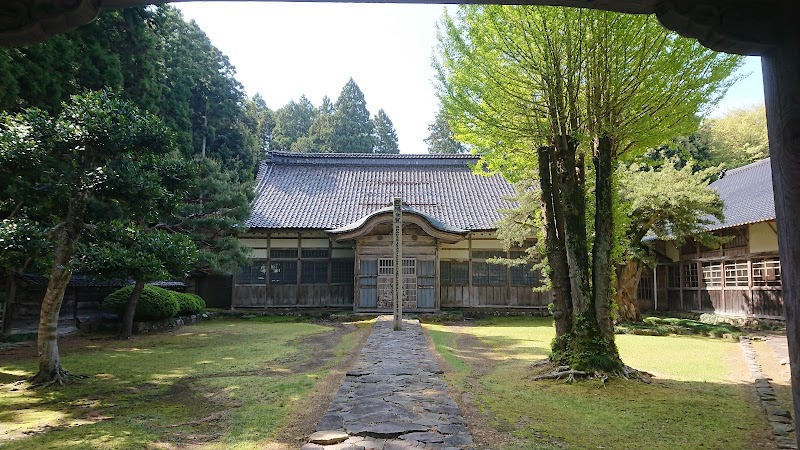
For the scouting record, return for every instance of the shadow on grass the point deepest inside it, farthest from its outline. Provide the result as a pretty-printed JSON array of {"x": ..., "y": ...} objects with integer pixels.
[
  {"x": 494, "y": 373},
  {"x": 167, "y": 388}
]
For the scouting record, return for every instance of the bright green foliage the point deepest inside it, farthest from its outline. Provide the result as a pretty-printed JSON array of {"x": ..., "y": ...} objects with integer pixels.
[
  {"x": 441, "y": 139},
  {"x": 383, "y": 135},
  {"x": 154, "y": 304},
  {"x": 646, "y": 86},
  {"x": 562, "y": 94},
  {"x": 292, "y": 122},
  {"x": 189, "y": 304},
  {"x": 669, "y": 203},
  {"x": 352, "y": 127},
  {"x": 739, "y": 137}
]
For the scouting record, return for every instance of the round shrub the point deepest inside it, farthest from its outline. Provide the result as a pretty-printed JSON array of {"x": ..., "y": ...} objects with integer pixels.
[
  {"x": 189, "y": 304},
  {"x": 154, "y": 304}
]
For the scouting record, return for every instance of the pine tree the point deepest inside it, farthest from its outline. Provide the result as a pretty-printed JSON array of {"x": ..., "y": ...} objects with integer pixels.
[
  {"x": 383, "y": 134},
  {"x": 352, "y": 127}
]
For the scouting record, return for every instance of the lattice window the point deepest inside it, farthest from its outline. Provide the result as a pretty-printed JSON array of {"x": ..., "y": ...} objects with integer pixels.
[
  {"x": 737, "y": 273},
  {"x": 524, "y": 275},
  {"x": 485, "y": 274},
  {"x": 690, "y": 279},
  {"x": 673, "y": 276},
  {"x": 283, "y": 253},
  {"x": 409, "y": 267},
  {"x": 314, "y": 272},
  {"x": 645, "y": 289},
  {"x": 767, "y": 272},
  {"x": 386, "y": 266},
  {"x": 315, "y": 253},
  {"x": 255, "y": 272},
  {"x": 342, "y": 270},
  {"x": 283, "y": 272},
  {"x": 454, "y": 273},
  {"x": 712, "y": 274}
]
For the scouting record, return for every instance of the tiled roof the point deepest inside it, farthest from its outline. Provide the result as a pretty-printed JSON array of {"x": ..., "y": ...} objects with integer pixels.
[
  {"x": 747, "y": 195},
  {"x": 325, "y": 191}
]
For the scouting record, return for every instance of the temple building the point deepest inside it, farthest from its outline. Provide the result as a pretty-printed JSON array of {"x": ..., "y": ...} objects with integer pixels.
[
  {"x": 743, "y": 277},
  {"x": 321, "y": 235}
]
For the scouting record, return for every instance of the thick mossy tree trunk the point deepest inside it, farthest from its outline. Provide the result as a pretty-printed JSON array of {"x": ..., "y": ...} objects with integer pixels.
[
  {"x": 50, "y": 370},
  {"x": 602, "y": 265},
  {"x": 589, "y": 345},
  {"x": 628, "y": 276},
  {"x": 126, "y": 328},
  {"x": 554, "y": 246}
]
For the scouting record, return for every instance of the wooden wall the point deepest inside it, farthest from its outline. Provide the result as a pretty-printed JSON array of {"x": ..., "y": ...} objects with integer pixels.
[
  {"x": 274, "y": 247},
  {"x": 260, "y": 292},
  {"x": 738, "y": 285},
  {"x": 494, "y": 297}
]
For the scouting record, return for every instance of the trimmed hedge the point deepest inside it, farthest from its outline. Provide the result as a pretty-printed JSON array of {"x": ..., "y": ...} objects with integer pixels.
[
  {"x": 189, "y": 304},
  {"x": 154, "y": 304}
]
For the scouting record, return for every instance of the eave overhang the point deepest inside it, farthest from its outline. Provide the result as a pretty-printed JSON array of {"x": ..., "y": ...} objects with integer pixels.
[{"x": 430, "y": 225}]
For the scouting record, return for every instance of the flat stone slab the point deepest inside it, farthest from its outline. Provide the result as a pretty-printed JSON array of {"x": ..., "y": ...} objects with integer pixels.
[
  {"x": 328, "y": 437},
  {"x": 393, "y": 398}
]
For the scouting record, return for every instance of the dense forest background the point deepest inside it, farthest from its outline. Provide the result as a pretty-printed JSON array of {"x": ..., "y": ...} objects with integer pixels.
[{"x": 167, "y": 66}]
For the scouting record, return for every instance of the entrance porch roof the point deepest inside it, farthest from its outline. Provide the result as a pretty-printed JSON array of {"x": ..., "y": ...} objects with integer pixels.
[{"x": 432, "y": 226}]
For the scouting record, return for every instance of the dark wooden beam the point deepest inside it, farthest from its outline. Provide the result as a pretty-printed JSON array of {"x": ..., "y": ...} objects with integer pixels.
[
  {"x": 781, "y": 67},
  {"x": 744, "y": 27}
]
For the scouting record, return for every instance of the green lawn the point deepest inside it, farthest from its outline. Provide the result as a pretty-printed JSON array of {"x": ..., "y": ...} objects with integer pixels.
[
  {"x": 228, "y": 383},
  {"x": 696, "y": 400}
]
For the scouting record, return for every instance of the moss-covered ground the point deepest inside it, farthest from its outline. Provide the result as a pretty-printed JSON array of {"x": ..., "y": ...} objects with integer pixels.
[
  {"x": 700, "y": 397},
  {"x": 227, "y": 384}
]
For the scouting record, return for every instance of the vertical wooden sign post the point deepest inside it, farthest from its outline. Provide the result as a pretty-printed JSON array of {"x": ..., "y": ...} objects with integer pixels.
[{"x": 397, "y": 234}]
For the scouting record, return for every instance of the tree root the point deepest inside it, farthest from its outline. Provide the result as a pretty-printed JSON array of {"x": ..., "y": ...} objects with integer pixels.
[
  {"x": 572, "y": 375},
  {"x": 59, "y": 377}
]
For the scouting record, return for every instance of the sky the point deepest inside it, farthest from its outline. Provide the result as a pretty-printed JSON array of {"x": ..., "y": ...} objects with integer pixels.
[{"x": 285, "y": 50}]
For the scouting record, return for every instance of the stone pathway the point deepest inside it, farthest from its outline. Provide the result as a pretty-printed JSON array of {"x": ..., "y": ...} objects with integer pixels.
[
  {"x": 780, "y": 420},
  {"x": 393, "y": 398}
]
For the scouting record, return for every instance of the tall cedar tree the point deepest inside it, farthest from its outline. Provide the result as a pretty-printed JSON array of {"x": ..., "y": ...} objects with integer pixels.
[
  {"x": 320, "y": 132},
  {"x": 441, "y": 139},
  {"x": 292, "y": 122},
  {"x": 384, "y": 135},
  {"x": 563, "y": 94},
  {"x": 352, "y": 127},
  {"x": 153, "y": 58}
]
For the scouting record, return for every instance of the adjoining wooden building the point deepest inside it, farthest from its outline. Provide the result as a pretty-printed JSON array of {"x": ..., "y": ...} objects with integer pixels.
[
  {"x": 743, "y": 278},
  {"x": 321, "y": 235}
]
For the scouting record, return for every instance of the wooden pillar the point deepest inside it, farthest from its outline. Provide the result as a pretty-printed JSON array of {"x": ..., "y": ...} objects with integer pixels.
[
  {"x": 397, "y": 293},
  {"x": 782, "y": 95}
]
